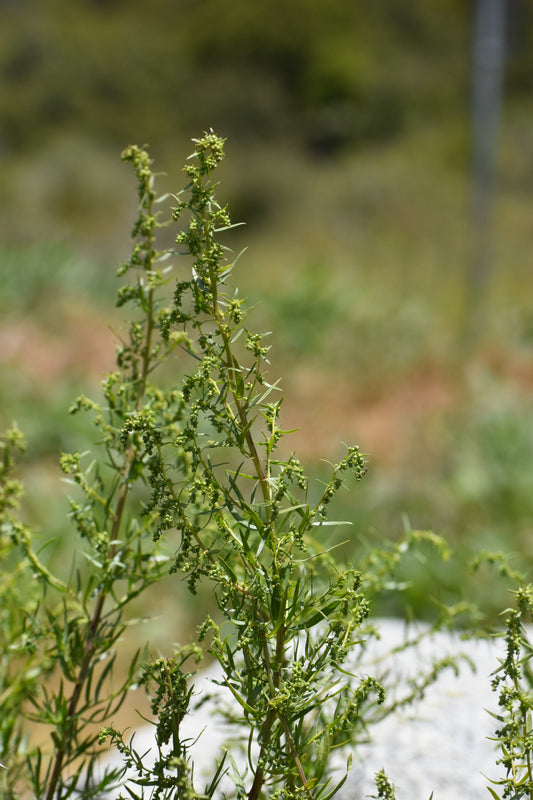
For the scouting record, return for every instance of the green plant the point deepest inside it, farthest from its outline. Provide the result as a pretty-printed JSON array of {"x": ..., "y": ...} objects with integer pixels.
[
  {"x": 190, "y": 476},
  {"x": 513, "y": 681},
  {"x": 75, "y": 623},
  {"x": 20, "y": 671},
  {"x": 245, "y": 523}
]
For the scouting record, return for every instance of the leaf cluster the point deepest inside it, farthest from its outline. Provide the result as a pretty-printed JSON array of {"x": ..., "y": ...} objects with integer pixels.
[{"x": 513, "y": 682}]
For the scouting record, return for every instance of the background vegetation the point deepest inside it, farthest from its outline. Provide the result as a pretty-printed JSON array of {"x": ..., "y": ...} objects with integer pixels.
[{"x": 348, "y": 128}]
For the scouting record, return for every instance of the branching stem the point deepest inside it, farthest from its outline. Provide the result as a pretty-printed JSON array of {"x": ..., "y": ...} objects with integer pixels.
[{"x": 68, "y": 734}]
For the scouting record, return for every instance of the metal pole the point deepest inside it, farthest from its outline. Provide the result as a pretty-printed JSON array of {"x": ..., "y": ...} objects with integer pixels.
[{"x": 487, "y": 88}]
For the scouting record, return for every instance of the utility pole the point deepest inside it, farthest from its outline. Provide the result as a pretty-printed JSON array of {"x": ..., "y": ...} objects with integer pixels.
[{"x": 487, "y": 90}]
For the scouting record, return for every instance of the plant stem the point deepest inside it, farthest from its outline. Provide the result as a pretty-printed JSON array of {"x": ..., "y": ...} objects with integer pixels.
[
  {"x": 90, "y": 645},
  {"x": 74, "y": 699}
]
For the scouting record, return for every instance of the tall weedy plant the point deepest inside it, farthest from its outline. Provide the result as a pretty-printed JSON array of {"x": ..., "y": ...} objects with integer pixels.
[
  {"x": 290, "y": 614},
  {"x": 513, "y": 682},
  {"x": 191, "y": 467},
  {"x": 74, "y": 625}
]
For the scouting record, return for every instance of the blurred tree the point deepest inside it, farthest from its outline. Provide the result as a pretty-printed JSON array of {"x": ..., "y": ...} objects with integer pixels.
[{"x": 327, "y": 73}]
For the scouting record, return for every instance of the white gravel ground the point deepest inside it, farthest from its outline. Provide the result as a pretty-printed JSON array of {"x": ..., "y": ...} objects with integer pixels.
[
  {"x": 438, "y": 745},
  {"x": 441, "y": 744}
]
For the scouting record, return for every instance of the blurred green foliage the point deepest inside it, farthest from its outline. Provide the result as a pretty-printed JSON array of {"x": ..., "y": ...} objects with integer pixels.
[
  {"x": 325, "y": 73},
  {"x": 347, "y": 126}
]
